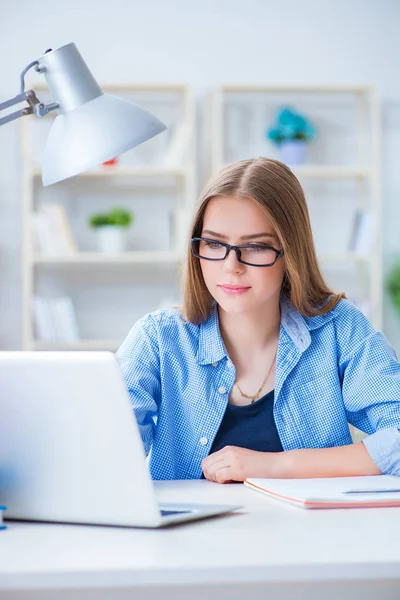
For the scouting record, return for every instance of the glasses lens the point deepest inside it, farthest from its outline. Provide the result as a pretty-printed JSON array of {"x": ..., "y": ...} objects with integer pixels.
[
  {"x": 251, "y": 254},
  {"x": 210, "y": 249},
  {"x": 258, "y": 255}
]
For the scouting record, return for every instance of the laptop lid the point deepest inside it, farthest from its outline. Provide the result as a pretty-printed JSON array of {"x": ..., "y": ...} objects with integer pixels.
[{"x": 70, "y": 447}]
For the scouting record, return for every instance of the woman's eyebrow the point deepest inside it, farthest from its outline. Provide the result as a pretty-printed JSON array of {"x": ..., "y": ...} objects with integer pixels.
[{"x": 252, "y": 236}]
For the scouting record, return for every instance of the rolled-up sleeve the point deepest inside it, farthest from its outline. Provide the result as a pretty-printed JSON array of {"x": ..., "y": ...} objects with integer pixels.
[
  {"x": 139, "y": 361},
  {"x": 384, "y": 449},
  {"x": 371, "y": 394}
]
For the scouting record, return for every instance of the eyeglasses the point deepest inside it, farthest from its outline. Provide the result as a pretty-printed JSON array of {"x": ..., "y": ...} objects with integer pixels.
[{"x": 255, "y": 255}]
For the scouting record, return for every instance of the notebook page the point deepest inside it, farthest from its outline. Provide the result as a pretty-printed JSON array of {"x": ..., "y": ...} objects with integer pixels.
[{"x": 333, "y": 489}]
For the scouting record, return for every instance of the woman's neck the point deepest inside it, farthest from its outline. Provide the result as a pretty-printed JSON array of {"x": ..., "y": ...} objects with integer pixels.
[{"x": 247, "y": 334}]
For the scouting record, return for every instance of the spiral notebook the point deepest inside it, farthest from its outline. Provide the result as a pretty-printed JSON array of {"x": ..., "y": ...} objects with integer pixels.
[{"x": 332, "y": 492}]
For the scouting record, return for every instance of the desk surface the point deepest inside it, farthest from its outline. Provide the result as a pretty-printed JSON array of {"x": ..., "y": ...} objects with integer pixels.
[{"x": 266, "y": 541}]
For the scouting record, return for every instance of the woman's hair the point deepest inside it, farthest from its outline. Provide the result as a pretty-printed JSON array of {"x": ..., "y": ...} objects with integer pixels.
[{"x": 275, "y": 188}]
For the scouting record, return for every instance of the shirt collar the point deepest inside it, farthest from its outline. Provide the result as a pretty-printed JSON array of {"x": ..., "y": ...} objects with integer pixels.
[
  {"x": 298, "y": 327},
  {"x": 211, "y": 346}
]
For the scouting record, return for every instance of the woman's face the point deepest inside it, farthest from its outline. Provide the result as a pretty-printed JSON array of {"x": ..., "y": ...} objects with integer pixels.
[{"x": 239, "y": 221}]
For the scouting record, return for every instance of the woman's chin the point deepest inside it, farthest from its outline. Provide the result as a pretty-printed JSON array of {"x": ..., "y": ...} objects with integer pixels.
[{"x": 234, "y": 304}]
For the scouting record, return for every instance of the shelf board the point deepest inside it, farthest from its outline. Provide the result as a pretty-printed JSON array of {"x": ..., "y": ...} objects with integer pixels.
[
  {"x": 299, "y": 88},
  {"x": 126, "y": 171},
  {"x": 330, "y": 171},
  {"x": 96, "y": 258},
  {"x": 131, "y": 87},
  {"x": 154, "y": 258},
  {"x": 345, "y": 257},
  {"x": 87, "y": 344},
  {"x": 310, "y": 171}
]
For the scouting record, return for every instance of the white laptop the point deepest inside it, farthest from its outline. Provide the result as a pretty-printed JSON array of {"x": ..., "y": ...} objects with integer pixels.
[{"x": 70, "y": 447}]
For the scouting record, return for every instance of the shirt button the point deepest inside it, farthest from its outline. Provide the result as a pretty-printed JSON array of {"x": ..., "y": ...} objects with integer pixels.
[
  {"x": 229, "y": 364},
  {"x": 203, "y": 441},
  {"x": 215, "y": 364},
  {"x": 222, "y": 390}
]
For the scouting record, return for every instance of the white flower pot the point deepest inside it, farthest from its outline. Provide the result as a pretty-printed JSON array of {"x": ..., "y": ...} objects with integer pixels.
[
  {"x": 292, "y": 152},
  {"x": 111, "y": 239}
]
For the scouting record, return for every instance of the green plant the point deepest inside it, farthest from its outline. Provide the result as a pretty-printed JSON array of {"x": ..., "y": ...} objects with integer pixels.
[
  {"x": 119, "y": 217},
  {"x": 393, "y": 285}
]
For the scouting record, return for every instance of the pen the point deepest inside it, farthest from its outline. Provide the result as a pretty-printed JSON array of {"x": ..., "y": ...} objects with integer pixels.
[{"x": 370, "y": 491}]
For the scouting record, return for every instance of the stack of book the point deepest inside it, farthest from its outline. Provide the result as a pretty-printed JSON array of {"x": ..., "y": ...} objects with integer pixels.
[
  {"x": 362, "y": 234},
  {"x": 51, "y": 232},
  {"x": 55, "y": 319}
]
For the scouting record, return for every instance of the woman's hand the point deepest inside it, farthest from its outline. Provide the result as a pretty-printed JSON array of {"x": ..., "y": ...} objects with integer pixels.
[{"x": 236, "y": 464}]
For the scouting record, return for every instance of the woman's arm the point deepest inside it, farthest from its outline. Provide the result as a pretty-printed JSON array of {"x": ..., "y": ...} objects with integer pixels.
[
  {"x": 341, "y": 461},
  {"x": 138, "y": 358},
  {"x": 370, "y": 374},
  {"x": 237, "y": 464}
]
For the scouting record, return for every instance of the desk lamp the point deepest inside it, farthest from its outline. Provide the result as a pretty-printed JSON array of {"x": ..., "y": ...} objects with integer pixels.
[{"x": 91, "y": 127}]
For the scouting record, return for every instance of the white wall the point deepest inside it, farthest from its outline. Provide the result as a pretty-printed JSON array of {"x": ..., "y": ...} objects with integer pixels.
[{"x": 202, "y": 44}]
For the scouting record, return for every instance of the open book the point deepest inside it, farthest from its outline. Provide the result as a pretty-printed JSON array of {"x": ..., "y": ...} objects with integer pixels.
[{"x": 332, "y": 492}]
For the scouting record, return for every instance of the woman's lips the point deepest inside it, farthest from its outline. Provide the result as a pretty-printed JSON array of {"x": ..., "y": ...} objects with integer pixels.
[{"x": 234, "y": 289}]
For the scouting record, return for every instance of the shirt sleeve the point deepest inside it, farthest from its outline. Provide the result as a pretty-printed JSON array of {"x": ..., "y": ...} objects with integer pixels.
[
  {"x": 371, "y": 393},
  {"x": 139, "y": 361}
]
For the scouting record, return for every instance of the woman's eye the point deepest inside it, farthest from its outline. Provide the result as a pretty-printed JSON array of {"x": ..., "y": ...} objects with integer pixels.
[
  {"x": 214, "y": 245},
  {"x": 258, "y": 248}
]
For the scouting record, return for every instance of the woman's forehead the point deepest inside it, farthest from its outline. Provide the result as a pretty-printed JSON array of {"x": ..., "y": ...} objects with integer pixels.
[{"x": 236, "y": 214}]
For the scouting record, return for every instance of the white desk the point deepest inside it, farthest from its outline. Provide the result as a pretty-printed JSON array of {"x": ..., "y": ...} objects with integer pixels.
[{"x": 267, "y": 550}]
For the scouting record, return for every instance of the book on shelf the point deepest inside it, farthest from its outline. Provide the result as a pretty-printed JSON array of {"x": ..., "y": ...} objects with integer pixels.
[
  {"x": 2, "y": 509},
  {"x": 362, "y": 234},
  {"x": 55, "y": 319},
  {"x": 52, "y": 234},
  {"x": 178, "y": 146}
]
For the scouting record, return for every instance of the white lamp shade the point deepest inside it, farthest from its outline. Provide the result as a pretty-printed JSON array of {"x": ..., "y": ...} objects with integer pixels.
[{"x": 93, "y": 133}]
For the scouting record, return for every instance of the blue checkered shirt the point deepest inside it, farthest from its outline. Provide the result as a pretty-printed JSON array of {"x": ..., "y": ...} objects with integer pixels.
[{"x": 331, "y": 370}]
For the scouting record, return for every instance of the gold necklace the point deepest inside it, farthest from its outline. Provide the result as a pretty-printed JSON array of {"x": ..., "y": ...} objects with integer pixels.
[{"x": 253, "y": 398}]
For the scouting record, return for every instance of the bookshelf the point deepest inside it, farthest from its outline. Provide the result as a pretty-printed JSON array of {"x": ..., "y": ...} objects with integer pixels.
[
  {"x": 341, "y": 177},
  {"x": 61, "y": 264}
]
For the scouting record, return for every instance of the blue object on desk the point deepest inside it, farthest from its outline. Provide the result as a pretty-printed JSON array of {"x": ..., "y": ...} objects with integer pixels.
[
  {"x": 370, "y": 491},
  {"x": 2, "y": 508}
]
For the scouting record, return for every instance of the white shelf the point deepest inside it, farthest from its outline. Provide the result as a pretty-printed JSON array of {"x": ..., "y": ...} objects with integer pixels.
[
  {"x": 111, "y": 345},
  {"x": 361, "y": 132},
  {"x": 126, "y": 171},
  {"x": 51, "y": 277},
  {"x": 95, "y": 258}
]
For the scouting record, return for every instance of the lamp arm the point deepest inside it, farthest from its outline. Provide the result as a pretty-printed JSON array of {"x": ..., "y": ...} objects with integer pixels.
[{"x": 34, "y": 104}]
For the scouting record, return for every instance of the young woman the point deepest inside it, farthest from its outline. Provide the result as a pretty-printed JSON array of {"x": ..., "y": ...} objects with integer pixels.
[{"x": 262, "y": 369}]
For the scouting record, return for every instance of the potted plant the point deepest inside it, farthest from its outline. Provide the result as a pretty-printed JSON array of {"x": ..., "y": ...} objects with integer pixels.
[
  {"x": 291, "y": 133},
  {"x": 111, "y": 229},
  {"x": 393, "y": 285}
]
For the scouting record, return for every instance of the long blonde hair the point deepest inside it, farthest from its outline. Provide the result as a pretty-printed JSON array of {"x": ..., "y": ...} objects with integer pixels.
[{"x": 275, "y": 188}]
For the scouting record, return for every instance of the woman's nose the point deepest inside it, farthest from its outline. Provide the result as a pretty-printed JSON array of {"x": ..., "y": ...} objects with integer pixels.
[{"x": 231, "y": 262}]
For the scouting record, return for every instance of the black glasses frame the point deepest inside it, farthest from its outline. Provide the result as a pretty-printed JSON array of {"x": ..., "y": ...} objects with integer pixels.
[{"x": 237, "y": 249}]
